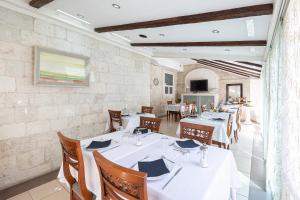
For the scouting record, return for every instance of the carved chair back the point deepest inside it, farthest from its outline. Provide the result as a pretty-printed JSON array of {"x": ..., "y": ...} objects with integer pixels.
[
  {"x": 118, "y": 183},
  {"x": 72, "y": 157},
  {"x": 150, "y": 123},
  {"x": 198, "y": 132},
  {"x": 147, "y": 109},
  {"x": 114, "y": 118}
]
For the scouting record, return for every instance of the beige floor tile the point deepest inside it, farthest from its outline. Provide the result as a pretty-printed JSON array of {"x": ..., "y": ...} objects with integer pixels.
[
  {"x": 60, "y": 195},
  {"x": 45, "y": 190},
  {"x": 23, "y": 196}
]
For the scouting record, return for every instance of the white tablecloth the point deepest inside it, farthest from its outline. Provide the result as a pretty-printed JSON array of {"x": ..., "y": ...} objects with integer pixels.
[
  {"x": 216, "y": 182},
  {"x": 130, "y": 122},
  {"x": 220, "y": 127},
  {"x": 173, "y": 107}
]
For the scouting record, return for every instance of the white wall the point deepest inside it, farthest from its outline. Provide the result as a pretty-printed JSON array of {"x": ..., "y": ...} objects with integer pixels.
[{"x": 202, "y": 73}]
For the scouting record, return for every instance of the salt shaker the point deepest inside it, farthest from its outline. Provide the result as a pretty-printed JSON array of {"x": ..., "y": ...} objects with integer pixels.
[{"x": 203, "y": 160}]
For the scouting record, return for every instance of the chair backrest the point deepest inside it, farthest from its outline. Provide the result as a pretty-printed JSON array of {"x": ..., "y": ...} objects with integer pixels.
[
  {"x": 150, "y": 123},
  {"x": 193, "y": 108},
  {"x": 198, "y": 132},
  {"x": 203, "y": 108},
  {"x": 114, "y": 117},
  {"x": 229, "y": 126},
  {"x": 118, "y": 182},
  {"x": 212, "y": 106},
  {"x": 147, "y": 109},
  {"x": 185, "y": 111},
  {"x": 72, "y": 156},
  {"x": 169, "y": 102}
]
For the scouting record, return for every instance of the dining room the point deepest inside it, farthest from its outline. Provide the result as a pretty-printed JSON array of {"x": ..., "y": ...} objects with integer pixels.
[{"x": 149, "y": 100}]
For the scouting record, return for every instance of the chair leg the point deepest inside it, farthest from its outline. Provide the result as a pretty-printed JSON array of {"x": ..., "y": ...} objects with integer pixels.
[
  {"x": 235, "y": 136},
  {"x": 224, "y": 145}
]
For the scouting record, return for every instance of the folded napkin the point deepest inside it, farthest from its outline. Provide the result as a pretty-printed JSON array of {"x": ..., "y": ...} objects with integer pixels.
[
  {"x": 218, "y": 119},
  {"x": 187, "y": 144},
  {"x": 143, "y": 130},
  {"x": 193, "y": 116},
  {"x": 139, "y": 113},
  {"x": 125, "y": 115},
  {"x": 99, "y": 144},
  {"x": 153, "y": 168}
]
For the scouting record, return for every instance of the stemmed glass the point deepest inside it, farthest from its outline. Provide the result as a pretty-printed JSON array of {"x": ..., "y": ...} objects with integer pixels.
[{"x": 138, "y": 138}]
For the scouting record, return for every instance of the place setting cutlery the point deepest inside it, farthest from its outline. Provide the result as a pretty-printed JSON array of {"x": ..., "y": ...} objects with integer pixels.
[
  {"x": 175, "y": 174},
  {"x": 132, "y": 166}
]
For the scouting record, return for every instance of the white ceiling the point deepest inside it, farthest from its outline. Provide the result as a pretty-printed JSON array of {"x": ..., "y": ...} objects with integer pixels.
[{"x": 101, "y": 13}]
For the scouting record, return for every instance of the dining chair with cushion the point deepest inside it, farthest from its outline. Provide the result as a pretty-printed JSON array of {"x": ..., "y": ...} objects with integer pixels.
[
  {"x": 193, "y": 108},
  {"x": 115, "y": 119},
  {"x": 118, "y": 183},
  {"x": 238, "y": 122},
  {"x": 197, "y": 132},
  {"x": 203, "y": 108},
  {"x": 147, "y": 109},
  {"x": 72, "y": 158},
  {"x": 229, "y": 130},
  {"x": 150, "y": 123},
  {"x": 184, "y": 111}
]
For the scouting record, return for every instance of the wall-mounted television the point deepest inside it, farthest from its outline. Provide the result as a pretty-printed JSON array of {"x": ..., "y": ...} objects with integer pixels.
[{"x": 199, "y": 85}]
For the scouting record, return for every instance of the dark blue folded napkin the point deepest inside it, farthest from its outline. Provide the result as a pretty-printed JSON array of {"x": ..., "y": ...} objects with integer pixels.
[
  {"x": 187, "y": 144},
  {"x": 218, "y": 119},
  {"x": 99, "y": 144},
  {"x": 153, "y": 168},
  {"x": 143, "y": 130},
  {"x": 139, "y": 113},
  {"x": 125, "y": 115}
]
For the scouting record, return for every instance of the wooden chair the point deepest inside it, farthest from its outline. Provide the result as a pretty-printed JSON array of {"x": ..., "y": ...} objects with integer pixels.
[
  {"x": 228, "y": 133},
  {"x": 147, "y": 109},
  {"x": 193, "y": 108},
  {"x": 185, "y": 112},
  {"x": 212, "y": 106},
  {"x": 168, "y": 112},
  {"x": 238, "y": 123},
  {"x": 150, "y": 123},
  {"x": 72, "y": 156},
  {"x": 169, "y": 102},
  {"x": 114, "y": 118},
  {"x": 196, "y": 132},
  {"x": 203, "y": 108},
  {"x": 118, "y": 183}
]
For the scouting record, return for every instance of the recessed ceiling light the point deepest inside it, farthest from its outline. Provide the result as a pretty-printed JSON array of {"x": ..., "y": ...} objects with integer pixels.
[
  {"x": 161, "y": 34},
  {"x": 117, "y": 6},
  {"x": 215, "y": 31},
  {"x": 227, "y": 50},
  {"x": 143, "y": 36}
]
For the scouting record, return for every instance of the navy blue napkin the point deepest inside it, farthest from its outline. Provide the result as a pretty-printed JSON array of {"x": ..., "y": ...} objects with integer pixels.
[
  {"x": 139, "y": 113},
  {"x": 99, "y": 144},
  {"x": 143, "y": 130},
  {"x": 193, "y": 116},
  {"x": 125, "y": 115},
  {"x": 218, "y": 119},
  {"x": 153, "y": 168},
  {"x": 187, "y": 144}
]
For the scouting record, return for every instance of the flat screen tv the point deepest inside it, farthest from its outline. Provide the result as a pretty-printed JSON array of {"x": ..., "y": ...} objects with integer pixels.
[{"x": 199, "y": 85}]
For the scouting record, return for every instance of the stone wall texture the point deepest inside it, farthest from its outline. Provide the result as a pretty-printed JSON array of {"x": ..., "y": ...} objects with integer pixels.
[
  {"x": 31, "y": 115},
  {"x": 158, "y": 100}
]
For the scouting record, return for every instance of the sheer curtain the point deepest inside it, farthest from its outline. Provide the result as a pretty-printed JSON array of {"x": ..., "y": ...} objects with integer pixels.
[{"x": 281, "y": 106}]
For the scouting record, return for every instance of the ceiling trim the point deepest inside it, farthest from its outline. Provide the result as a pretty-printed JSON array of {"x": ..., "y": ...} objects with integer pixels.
[
  {"x": 227, "y": 67},
  {"x": 250, "y": 63},
  {"x": 38, "y": 14},
  {"x": 39, "y": 3},
  {"x": 239, "y": 66},
  {"x": 203, "y": 44},
  {"x": 249, "y": 11}
]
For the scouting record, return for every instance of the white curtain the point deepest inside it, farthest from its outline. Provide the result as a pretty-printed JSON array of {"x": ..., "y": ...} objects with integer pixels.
[{"x": 281, "y": 108}]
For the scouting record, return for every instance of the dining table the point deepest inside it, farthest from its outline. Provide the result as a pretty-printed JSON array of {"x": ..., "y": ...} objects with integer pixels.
[
  {"x": 187, "y": 179},
  {"x": 130, "y": 121},
  {"x": 218, "y": 120}
]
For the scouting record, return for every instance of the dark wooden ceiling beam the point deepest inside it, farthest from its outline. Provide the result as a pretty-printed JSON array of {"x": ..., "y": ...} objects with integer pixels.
[
  {"x": 249, "y": 11},
  {"x": 204, "y": 44},
  {"x": 211, "y": 64},
  {"x": 239, "y": 66},
  {"x": 231, "y": 68},
  {"x": 224, "y": 69},
  {"x": 39, "y": 3},
  {"x": 250, "y": 63}
]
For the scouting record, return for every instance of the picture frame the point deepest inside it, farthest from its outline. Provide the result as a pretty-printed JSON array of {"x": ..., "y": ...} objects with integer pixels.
[{"x": 59, "y": 68}]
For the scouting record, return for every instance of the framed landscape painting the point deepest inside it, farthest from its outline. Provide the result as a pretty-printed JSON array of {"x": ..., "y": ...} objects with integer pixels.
[{"x": 54, "y": 67}]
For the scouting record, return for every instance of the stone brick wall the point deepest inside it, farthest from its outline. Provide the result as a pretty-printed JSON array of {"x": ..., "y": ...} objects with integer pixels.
[
  {"x": 158, "y": 99},
  {"x": 31, "y": 115}
]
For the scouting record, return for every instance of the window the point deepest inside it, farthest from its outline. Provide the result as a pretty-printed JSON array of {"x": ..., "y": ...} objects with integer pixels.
[{"x": 168, "y": 84}]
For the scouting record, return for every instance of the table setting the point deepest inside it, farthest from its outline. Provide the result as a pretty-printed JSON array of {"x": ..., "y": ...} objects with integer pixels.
[{"x": 169, "y": 162}]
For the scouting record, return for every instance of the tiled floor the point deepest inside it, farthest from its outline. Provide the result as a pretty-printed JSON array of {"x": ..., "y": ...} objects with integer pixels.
[{"x": 252, "y": 174}]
